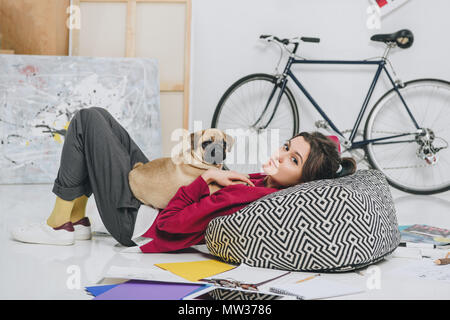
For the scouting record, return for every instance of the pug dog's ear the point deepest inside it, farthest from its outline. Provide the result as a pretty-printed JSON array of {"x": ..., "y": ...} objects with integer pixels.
[
  {"x": 187, "y": 141},
  {"x": 195, "y": 139},
  {"x": 229, "y": 140}
]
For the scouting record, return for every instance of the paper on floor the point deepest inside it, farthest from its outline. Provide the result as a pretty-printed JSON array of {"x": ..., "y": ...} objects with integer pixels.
[
  {"x": 424, "y": 269},
  {"x": 150, "y": 273},
  {"x": 196, "y": 270},
  {"x": 250, "y": 275},
  {"x": 148, "y": 290},
  {"x": 316, "y": 288}
]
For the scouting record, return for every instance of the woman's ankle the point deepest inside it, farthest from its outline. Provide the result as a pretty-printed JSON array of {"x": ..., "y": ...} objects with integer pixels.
[
  {"x": 83, "y": 221},
  {"x": 79, "y": 209},
  {"x": 76, "y": 218},
  {"x": 55, "y": 223}
]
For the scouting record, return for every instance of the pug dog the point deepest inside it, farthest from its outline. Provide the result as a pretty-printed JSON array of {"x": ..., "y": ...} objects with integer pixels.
[{"x": 157, "y": 181}]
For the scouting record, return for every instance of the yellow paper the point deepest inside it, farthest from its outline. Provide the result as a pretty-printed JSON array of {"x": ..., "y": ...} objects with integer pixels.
[{"x": 196, "y": 270}]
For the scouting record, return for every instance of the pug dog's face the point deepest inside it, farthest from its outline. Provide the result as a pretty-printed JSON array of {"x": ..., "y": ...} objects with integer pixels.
[{"x": 211, "y": 145}]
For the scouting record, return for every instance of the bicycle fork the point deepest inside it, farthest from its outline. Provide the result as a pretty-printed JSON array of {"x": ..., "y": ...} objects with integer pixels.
[{"x": 281, "y": 81}]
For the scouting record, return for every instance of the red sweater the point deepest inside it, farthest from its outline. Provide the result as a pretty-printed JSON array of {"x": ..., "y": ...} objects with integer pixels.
[{"x": 183, "y": 222}]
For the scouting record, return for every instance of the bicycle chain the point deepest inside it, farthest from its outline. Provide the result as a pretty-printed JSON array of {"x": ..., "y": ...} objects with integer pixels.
[{"x": 386, "y": 132}]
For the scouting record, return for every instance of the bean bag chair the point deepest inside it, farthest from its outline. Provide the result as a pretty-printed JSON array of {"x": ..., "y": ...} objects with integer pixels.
[{"x": 330, "y": 225}]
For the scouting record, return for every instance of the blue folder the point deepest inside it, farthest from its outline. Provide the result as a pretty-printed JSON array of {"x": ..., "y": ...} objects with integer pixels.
[{"x": 98, "y": 290}]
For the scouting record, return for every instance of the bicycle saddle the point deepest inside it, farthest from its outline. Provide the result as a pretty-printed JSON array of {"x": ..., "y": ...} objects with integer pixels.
[{"x": 403, "y": 38}]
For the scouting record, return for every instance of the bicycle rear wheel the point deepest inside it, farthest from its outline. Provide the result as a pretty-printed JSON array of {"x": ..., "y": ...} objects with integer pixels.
[
  {"x": 240, "y": 113},
  {"x": 415, "y": 164}
]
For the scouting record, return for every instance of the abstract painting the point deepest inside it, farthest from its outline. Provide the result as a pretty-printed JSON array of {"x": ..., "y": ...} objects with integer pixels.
[{"x": 40, "y": 94}]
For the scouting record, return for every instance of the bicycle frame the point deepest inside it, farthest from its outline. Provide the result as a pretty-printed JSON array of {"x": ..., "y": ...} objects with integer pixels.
[{"x": 350, "y": 143}]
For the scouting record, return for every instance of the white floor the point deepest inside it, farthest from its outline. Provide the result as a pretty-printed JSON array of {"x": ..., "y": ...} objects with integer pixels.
[{"x": 50, "y": 272}]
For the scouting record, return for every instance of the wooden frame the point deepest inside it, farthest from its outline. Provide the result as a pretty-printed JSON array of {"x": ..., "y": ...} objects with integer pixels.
[{"x": 131, "y": 45}]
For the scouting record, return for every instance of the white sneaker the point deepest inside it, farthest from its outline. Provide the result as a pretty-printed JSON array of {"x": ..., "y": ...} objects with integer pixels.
[
  {"x": 42, "y": 233},
  {"x": 82, "y": 229}
]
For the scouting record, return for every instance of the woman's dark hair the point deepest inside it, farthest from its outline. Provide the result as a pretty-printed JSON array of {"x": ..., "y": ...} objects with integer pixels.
[{"x": 324, "y": 160}]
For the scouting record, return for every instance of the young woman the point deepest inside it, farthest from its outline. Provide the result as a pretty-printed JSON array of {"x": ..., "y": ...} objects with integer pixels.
[{"x": 98, "y": 154}]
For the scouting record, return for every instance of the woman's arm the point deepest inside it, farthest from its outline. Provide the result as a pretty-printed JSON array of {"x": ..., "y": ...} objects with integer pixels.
[
  {"x": 225, "y": 178},
  {"x": 192, "y": 207}
]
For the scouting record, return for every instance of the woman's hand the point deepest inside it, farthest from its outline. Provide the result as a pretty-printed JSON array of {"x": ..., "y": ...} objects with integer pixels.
[{"x": 225, "y": 178}]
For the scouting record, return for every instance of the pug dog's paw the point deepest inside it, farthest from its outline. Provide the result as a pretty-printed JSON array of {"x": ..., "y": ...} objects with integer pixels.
[{"x": 138, "y": 164}]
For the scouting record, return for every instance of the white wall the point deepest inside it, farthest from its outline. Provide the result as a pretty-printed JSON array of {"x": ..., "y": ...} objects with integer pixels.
[{"x": 225, "y": 47}]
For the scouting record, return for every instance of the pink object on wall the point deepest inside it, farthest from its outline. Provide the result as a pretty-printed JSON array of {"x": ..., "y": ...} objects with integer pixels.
[{"x": 336, "y": 140}]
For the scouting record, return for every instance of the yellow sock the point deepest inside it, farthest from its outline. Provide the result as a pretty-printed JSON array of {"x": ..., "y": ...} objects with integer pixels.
[
  {"x": 61, "y": 212},
  {"x": 79, "y": 209}
]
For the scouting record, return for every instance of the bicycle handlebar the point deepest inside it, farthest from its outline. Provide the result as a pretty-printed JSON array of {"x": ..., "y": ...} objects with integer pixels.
[
  {"x": 310, "y": 39},
  {"x": 288, "y": 41},
  {"x": 283, "y": 41}
]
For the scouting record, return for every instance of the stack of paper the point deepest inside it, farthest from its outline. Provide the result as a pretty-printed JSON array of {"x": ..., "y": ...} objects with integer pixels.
[
  {"x": 421, "y": 233},
  {"x": 174, "y": 281},
  {"x": 165, "y": 281},
  {"x": 298, "y": 285}
]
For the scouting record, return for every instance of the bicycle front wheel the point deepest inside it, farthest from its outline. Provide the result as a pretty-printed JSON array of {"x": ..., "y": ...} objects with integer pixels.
[
  {"x": 417, "y": 163},
  {"x": 247, "y": 112}
]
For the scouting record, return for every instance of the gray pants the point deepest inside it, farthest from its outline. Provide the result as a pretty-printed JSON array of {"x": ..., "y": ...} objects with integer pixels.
[{"x": 97, "y": 156}]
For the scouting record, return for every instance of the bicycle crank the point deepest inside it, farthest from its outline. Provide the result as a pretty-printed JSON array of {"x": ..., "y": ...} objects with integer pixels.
[{"x": 427, "y": 151}]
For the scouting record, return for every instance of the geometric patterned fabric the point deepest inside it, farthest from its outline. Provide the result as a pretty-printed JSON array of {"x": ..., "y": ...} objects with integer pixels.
[{"x": 330, "y": 225}]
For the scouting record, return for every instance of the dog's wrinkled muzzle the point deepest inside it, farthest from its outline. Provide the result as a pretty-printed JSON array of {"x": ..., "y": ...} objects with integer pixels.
[{"x": 215, "y": 153}]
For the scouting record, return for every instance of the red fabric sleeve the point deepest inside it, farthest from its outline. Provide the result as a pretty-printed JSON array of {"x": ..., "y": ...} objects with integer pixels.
[
  {"x": 184, "y": 220},
  {"x": 256, "y": 175},
  {"x": 190, "y": 209}
]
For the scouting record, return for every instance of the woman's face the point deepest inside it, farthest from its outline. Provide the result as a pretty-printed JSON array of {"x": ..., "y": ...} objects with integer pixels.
[{"x": 284, "y": 167}]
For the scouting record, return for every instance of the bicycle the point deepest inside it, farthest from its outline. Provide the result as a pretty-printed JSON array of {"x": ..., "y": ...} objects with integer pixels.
[{"x": 405, "y": 135}]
